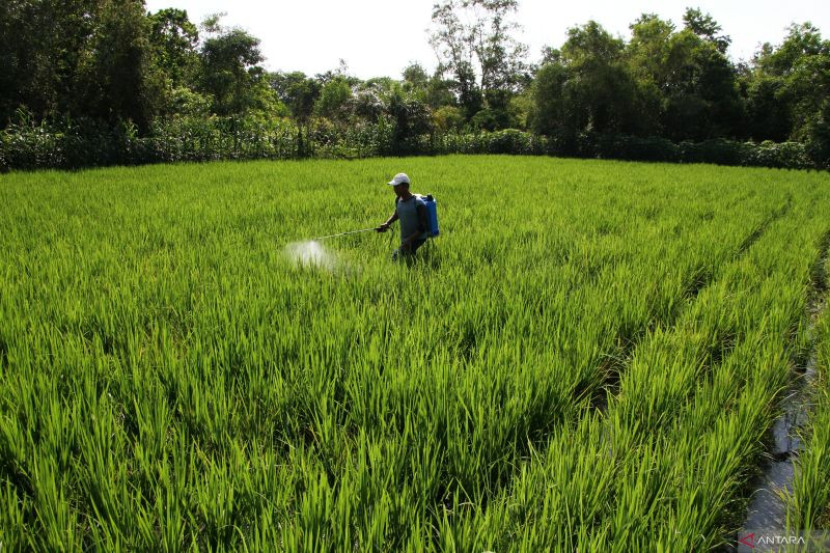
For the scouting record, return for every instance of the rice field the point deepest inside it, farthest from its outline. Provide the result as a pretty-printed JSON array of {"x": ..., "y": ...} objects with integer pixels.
[{"x": 590, "y": 357}]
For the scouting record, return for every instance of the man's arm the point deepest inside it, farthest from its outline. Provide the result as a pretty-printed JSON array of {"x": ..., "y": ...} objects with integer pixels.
[{"x": 385, "y": 226}]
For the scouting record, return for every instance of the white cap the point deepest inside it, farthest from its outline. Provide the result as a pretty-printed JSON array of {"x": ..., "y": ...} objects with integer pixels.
[{"x": 400, "y": 178}]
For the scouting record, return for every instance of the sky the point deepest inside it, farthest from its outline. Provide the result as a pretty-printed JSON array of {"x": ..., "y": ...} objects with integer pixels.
[{"x": 381, "y": 37}]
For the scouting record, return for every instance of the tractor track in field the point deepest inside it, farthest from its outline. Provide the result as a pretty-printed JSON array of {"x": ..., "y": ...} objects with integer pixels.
[
  {"x": 615, "y": 364},
  {"x": 767, "y": 509}
]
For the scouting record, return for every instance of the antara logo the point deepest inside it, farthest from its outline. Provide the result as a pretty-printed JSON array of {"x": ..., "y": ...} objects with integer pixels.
[{"x": 748, "y": 540}]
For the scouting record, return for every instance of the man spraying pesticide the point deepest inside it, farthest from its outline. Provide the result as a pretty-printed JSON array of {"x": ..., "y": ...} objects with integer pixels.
[
  {"x": 418, "y": 216},
  {"x": 419, "y": 221}
]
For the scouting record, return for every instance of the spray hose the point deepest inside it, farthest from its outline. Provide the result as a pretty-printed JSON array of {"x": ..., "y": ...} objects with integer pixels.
[{"x": 342, "y": 234}]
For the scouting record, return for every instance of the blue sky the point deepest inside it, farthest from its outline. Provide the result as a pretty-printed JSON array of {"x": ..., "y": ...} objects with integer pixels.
[{"x": 379, "y": 38}]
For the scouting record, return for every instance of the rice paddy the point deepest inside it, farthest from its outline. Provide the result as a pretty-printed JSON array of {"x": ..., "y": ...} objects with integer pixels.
[{"x": 591, "y": 356}]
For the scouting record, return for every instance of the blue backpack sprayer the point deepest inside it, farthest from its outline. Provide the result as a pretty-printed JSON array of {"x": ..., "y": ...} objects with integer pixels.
[{"x": 432, "y": 216}]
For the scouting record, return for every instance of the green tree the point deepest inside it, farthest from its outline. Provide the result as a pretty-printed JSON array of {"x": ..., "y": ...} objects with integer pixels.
[
  {"x": 802, "y": 67},
  {"x": 600, "y": 92},
  {"x": 767, "y": 113},
  {"x": 410, "y": 118},
  {"x": 13, "y": 51},
  {"x": 699, "y": 86},
  {"x": 788, "y": 86},
  {"x": 118, "y": 79},
  {"x": 416, "y": 82},
  {"x": 686, "y": 87},
  {"x": 174, "y": 39},
  {"x": 42, "y": 46},
  {"x": 802, "y": 63},
  {"x": 818, "y": 135},
  {"x": 704, "y": 26},
  {"x": 433, "y": 91},
  {"x": 475, "y": 45},
  {"x": 648, "y": 54},
  {"x": 447, "y": 118},
  {"x": 802, "y": 40},
  {"x": 298, "y": 92},
  {"x": 440, "y": 92},
  {"x": 371, "y": 98},
  {"x": 230, "y": 70},
  {"x": 551, "y": 112},
  {"x": 335, "y": 101}
]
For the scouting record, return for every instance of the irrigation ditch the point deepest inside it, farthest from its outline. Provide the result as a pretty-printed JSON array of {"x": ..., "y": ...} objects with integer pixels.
[{"x": 767, "y": 509}]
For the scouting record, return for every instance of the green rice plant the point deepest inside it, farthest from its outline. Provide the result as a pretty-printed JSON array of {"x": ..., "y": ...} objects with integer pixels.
[
  {"x": 589, "y": 356},
  {"x": 808, "y": 504},
  {"x": 707, "y": 444}
]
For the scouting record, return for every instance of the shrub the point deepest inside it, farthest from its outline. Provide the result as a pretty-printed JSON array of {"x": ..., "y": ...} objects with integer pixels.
[{"x": 87, "y": 143}]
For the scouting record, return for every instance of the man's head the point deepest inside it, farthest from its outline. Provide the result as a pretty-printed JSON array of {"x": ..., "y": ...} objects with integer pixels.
[{"x": 400, "y": 183}]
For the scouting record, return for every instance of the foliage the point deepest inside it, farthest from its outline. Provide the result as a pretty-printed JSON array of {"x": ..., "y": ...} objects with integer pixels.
[
  {"x": 447, "y": 118},
  {"x": 298, "y": 92},
  {"x": 87, "y": 143},
  {"x": 335, "y": 100},
  {"x": 119, "y": 81},
  {"x": 667, "y": 92},
  {"x": 704, "y": 26},
  {"x": 230, "y": 73},
  {"x": 473, "y": 40},
  {"x": 43, "y": 45},
  {"x": 175, "y": 38}
]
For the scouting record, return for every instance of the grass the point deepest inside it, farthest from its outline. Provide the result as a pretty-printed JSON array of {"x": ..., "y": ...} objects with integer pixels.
[{"x": 589, "y": 357}]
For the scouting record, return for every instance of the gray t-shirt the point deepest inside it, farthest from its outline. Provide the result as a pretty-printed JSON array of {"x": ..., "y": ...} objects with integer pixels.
[{"x": 407, "y": 211}]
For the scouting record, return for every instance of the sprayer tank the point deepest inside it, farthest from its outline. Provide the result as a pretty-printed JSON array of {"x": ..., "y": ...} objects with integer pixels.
[{"x": 432, "y": 215}]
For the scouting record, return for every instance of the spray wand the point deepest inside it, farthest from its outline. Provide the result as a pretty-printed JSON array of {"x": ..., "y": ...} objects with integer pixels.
[{"x": 341, "y": 234}]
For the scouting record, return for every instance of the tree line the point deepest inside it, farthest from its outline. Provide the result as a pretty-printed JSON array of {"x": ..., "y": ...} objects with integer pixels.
[{"x": 106, "y": 72}]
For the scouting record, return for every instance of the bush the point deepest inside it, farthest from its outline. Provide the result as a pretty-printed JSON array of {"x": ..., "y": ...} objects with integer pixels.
[
  {"x": 639, "y": 149},
  {"x": 88, "y": 143},
  {"x": 510, "y": 141},
  {"x": 717, "y": 151},
  {"x": 789, "y": 155}
]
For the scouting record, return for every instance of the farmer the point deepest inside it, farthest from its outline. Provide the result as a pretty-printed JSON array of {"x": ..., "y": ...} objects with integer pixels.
[{"x": 412, "y": 212}]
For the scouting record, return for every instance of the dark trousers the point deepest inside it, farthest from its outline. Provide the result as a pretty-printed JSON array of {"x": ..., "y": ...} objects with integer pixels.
[{"x": 411, "y": 251}]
